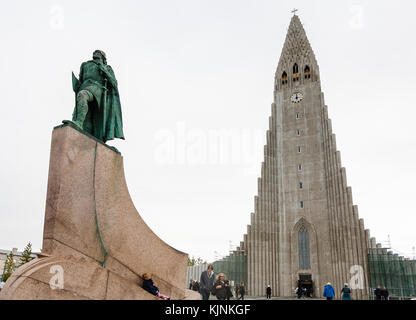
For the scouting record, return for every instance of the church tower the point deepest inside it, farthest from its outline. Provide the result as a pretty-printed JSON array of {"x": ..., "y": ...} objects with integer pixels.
[{"x": 304, "y": 229}]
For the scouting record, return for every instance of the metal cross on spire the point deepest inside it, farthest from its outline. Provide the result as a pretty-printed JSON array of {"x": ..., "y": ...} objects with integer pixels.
[{"x": 294, "y": 11}]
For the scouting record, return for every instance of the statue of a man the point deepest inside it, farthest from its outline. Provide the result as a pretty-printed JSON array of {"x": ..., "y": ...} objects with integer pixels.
[{"x": 98, "y": 109}]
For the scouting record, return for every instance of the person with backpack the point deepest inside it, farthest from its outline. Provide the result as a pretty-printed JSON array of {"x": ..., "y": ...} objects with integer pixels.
[{"x": 346, "y": 292}]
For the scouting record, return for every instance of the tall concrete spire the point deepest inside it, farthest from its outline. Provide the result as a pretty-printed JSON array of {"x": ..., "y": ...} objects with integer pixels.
[{"x": 304, "y": 226}]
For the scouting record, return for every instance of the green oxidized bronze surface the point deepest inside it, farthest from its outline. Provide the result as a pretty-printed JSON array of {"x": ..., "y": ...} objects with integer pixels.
[
  {"x": 98, "y": 109},
  {"x": 73, "y": 125}
]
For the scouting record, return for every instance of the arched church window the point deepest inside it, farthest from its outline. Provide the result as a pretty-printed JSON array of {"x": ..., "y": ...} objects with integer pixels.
[
  {"x": 284, "y": 77},
  {"x": 295, "y": 68},
  {"x": 295, "y": 72},
  {"x": 307, "y": 72},
  {"x": 303, "y": 244}
]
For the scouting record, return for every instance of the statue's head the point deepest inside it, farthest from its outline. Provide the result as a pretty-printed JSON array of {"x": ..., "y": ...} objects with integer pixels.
[{"x": 99, "y": 54}]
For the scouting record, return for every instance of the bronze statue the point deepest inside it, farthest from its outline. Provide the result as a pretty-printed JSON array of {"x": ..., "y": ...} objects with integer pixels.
[{"x": 98, "y": 109}]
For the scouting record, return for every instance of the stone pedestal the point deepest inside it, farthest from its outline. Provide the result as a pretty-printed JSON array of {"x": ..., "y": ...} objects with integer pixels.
[{"x": 95, "y": 244}]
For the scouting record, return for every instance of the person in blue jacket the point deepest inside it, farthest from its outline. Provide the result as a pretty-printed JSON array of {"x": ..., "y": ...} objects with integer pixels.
[{"x": 329, "y": 291}]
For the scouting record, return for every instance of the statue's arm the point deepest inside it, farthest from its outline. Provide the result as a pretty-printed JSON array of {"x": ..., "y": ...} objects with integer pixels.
[{"x": 109, "y": 73}]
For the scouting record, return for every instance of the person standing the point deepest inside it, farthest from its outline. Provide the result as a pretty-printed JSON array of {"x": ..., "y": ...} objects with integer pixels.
[
  {"x": 268, "y": 292},
  {"x": 237, "y": 291},
  {"x": 228, "y": 289},
  {"x": 194, "y": 285},
  {"x": 242, "y": 290},
  {"x": 297, "y": 292},
  {"x": 384, "y": 293},
  {"x": 304, "y": 292},
  {"x": 220, "y": 287},
  {"x": 207, "y": 282},
  {"x": 377, "y": 293},
  {"x": 300, "y": 292},
  {"x": 346, "y": 292},
  {"x": 329, "y": 291}
]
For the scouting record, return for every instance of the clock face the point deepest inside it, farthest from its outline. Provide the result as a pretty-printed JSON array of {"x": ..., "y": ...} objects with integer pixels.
[{"x": 296, "y": 97}]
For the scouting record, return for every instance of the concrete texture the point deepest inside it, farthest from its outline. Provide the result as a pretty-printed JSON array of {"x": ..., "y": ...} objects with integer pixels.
[{"x": 94, "y": 233}]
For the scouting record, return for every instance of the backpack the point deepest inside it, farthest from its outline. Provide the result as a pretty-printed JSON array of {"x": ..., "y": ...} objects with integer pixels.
[{"x": 213, "y": 290}]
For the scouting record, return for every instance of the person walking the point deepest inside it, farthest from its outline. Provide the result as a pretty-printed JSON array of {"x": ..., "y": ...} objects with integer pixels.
[
  {"x": 242, "y": 290},
  {"x": 377, "y": 293},
  {"x": 268, "y": 292},
  {"x": 206, "y": 283},
  {"x": 346, "y": 292},
  {"x": 384, "y": 293},
  {"x": 237, "y": 291},
  {"x": 220, "y": 287},
  {"x": 228, "y": 289},
  {"x": 329, "y": 291}
]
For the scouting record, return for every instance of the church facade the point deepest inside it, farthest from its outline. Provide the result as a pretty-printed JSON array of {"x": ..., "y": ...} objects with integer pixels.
[
  {"x": 305, "y": 226},
  {"x": 305, "y": 230}
]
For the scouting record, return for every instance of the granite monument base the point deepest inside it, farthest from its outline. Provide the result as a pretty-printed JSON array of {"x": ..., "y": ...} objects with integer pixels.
[{"x": 95, "y": 244}]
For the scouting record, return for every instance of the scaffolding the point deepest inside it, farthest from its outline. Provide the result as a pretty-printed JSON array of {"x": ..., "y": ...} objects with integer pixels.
[
  {"x": 234, "y": 266},
  {"x": 396, "y": 273}
]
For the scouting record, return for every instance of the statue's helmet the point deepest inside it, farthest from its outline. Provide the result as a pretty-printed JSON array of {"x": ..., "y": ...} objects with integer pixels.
[{"x": 102, "y": 53}]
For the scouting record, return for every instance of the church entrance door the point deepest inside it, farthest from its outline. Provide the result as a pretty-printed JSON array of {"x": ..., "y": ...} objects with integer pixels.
[{"x": 306, "y": 285}]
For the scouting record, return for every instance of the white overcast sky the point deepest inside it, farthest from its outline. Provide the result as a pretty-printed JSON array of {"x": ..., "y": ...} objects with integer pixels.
[{"x": 187, "y": 71}]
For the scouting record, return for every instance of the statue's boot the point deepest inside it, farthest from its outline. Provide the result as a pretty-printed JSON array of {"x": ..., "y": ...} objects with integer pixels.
[
  {"x": 79, "y": 115},
  {"x": 78, "y": 124},
  {"x": 95, "y": 243}
]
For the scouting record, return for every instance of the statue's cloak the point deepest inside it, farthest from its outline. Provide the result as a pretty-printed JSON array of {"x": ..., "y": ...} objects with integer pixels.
[{"x": 104, "y": 118}]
